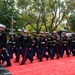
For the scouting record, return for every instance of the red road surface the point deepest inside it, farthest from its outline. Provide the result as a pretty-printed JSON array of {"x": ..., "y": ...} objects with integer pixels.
[{"x": 62, "y": 66}]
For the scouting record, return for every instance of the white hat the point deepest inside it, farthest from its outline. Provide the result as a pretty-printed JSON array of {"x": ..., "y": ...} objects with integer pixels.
[
  {"x": 47, "y": 32},
  {"x": 34, "y": 31},
  {"x": 2, "y": 26},
  {"x": 64, "y": 32},
  {"x": 10, "y": 33},
  {"x": 19, "y": 30},
  {"x": 41, "y": 32},
  {"x": 54, "y": 32},
  {"x": 26, "y": 31}
]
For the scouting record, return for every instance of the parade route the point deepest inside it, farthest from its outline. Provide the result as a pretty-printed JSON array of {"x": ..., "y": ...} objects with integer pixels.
[
  {"x": 62, "y": 66},
  {"x": 37, "y": 37}
]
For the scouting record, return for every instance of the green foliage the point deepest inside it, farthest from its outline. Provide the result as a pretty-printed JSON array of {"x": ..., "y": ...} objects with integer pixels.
[
  {"x": 7, "y": 9},
  {"x": 22, "y": 4},
  {"x": 71, "y": 21},
  {"x": 29, "y": 28},
  {"x": 45, "y": 15},
  {"x": 37, "y": 11}
]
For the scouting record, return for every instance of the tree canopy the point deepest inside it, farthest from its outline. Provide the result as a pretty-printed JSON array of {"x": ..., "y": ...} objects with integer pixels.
[{"x": 46, "y": 15}]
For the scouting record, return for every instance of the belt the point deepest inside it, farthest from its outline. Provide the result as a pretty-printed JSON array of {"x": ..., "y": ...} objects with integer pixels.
[
  {"x": 33, "y": 41},
  {"x": 54, "y": 41},
  {"x": 73, "y": 41},
  {"x": 64, "y": 41},
  {"x": 42, "y": 42},
  {"x": 14, "y": 42}
]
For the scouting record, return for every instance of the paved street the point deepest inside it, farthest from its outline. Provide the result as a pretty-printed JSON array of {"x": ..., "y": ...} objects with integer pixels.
[{"x": 62, "y": 66}]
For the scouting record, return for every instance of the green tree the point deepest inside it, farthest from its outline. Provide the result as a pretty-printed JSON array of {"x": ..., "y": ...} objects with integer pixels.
[
  {"x": 40, "y": 10},
  {"x": 7, "y": 9},
  {"x": 71, "y": 22},
  {"x": 46, "y": 14}
]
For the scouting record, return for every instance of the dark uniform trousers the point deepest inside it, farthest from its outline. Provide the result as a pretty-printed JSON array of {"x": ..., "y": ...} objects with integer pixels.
[
  {"x": 19, "y": 47},
  {"x": 43, "y": 54},
  {"x": 35, "y": 49},
  {"x": 65, "y": 46},
  {"x": 3, "y": 41},
  {"x": 27, "y": 49},
  {"x": 26, "y": 54},
  {"x": 73, "y": 47},
  {"x": 42, "y": 48},
  {"x": 55, "y": 47}
]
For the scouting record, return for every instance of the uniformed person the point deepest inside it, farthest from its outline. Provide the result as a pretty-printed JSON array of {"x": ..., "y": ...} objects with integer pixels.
[
  {"x": 65, "y": 44},
  {"x": 50, "y": 39},
  {"x": 73, "y": 44},
  {"x": 3, "y": 41},
  {"x": 70, "y": 43},
  {"x": 42, "y": 47},
  {"x": 35, "y": 44},
  {"x": 10, "y": 45},
  {"x": 27, "y": 48},
  {"x": 19, "y": 45},
  {"x": 46, "y": 39},
  {"x": 55, "y": 45},
  {"x": 14, "y": 44}
]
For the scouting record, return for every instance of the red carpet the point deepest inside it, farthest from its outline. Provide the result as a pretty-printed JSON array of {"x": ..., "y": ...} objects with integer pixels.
[{"x": 62, "y": 66}]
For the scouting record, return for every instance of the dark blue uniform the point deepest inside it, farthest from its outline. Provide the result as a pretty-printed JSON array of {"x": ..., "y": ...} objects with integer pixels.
[
  {"x": 55, "y": 46},
  {"x": 10, "y": 48},
  {"x": 19, "y": 47},
  {"x": 27, "y": 49},
  {"x": 73, "y": 45},
  {"x": 65, "y": 46},
  {"x": 42, "y": 48},
  {"x": 12, "y": 45},
  {"x": 3, "y": 41},
  {"x": 35, "y": 45},
  {"x": 50, "y": 45}
]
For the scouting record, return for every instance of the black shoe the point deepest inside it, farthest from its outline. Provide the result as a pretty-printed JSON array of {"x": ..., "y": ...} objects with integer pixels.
[
  {"x": 16, "y": 61},
  {"x": 57, "y": 58},
  {"x": 61, "y": 56},
  {"x": 47, "y": 58},
  {"x": 8, "y": 65},
  {"x": 68, "y": 56},
  {"x": 21, "y": 63},
  {"x": 40, "y": 61},
  {"x": 37, "y": 58},
  {"x": 73, "y": 55},
  {"x": 52, "y": 58},
  {"x": 31, "y": 60}
]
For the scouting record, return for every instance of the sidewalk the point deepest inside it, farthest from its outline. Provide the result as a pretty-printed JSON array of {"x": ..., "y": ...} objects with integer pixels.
[{"x": 4, "y": 71}]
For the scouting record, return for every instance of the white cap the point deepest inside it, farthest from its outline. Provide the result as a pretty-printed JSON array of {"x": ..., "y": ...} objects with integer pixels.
[
  {"x": 10, "y": 33},
  {"x": 19, "y": 30},
  {"x": 54, "y": 32},
  {"x": 47, "y": 32},
  {"x": 41, "y": 32},
  {"x": 26, "y": 31},
  {"x": 64, "y": 32},
  {"x": 34, "y": 31},
  {"x": 2, "y": 26}
]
